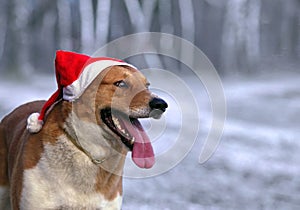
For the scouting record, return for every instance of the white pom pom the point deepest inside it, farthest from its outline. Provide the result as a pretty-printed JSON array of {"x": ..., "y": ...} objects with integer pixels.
[{"x": 34, "y": 125}]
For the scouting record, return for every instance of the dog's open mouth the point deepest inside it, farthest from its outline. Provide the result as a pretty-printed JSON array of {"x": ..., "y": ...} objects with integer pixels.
[{"x": 132, "y": 135}]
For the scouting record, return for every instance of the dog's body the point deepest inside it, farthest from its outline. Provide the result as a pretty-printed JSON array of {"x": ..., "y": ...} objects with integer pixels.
[{"x": 76, "y": 160}]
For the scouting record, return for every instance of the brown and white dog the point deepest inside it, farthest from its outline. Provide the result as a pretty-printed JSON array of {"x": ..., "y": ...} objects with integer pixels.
[{"x": 76, "y": 160}]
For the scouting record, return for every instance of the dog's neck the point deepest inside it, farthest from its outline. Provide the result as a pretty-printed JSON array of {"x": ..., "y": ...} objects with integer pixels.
[
  {"x": 86, "y": 131},
  {"x": 89, "y": 139}
]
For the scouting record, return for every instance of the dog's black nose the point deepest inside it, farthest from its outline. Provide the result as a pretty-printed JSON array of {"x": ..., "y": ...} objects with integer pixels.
[{"x": 158, "y": 103}]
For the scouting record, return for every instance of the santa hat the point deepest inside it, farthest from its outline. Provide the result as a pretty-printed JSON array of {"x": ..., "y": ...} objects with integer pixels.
[{"x": 74, "y": 73}]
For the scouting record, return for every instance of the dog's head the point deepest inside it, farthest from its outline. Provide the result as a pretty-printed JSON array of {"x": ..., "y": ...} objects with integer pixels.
[{"x": 122, "y": 96}]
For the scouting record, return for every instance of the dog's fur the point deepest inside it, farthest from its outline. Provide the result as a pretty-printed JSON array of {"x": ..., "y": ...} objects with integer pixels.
[{"x": 55, "y": 168}]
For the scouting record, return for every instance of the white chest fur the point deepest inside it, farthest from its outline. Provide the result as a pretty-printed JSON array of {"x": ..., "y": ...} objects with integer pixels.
[{"x": 64, "y": 178}]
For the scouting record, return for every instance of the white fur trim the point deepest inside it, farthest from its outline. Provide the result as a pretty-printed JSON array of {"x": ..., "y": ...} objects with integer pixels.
[
  {"x": 89, "y": 73},
  {"x": 34, "y": 125}
]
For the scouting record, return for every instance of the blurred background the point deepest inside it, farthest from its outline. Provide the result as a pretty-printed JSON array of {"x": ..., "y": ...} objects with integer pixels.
[
  {"x": 255, "y": 47},
  {"x": 236, "y": 35}
]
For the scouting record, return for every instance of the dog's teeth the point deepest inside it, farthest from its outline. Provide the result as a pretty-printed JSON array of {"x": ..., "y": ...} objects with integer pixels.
[
  {"x": 119, "y": 126},
  {"x": 132, "y": 140},
  {"x": 116, "y": 120}
]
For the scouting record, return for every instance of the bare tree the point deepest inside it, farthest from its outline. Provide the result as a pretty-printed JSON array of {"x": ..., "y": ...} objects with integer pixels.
[
  {"x": 236, "y": 32},
  {"x": 64, "y": 20},
  {"x": 87, "y": 26},
  {"x": 148, "y": 10},
  {"x": 241, "y": 34},
  {"x": 136, "y": 15},
  {"x": 75, "y": 25},
  {"x": 102, "y": 22},
  {"x": 138, "y": 21},
  {"x": 187, "y": 26},
  {"x": 3, "y": 27},
  {"x": 9, "y": 49}
]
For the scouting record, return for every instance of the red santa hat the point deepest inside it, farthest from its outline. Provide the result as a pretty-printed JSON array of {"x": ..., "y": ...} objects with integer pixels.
[{"x": 74, "y": 73}]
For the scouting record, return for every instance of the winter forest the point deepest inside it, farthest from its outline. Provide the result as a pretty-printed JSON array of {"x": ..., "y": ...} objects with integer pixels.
[
  {"x": 254, "y": 46},
  {"x": 236, "y": 35}
]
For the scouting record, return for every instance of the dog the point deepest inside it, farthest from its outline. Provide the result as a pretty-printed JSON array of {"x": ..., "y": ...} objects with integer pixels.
[{"x": 76, "y": 160}]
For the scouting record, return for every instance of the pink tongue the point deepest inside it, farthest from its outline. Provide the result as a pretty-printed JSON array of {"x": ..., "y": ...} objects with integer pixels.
[{"x": 142, "y": 152}]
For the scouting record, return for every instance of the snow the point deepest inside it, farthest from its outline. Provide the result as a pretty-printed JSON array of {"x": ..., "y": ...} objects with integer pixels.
[{"x": 256, "y": 165}]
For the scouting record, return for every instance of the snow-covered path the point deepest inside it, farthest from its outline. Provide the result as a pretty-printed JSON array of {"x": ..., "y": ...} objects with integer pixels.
[{"x": 256, "y": 165}]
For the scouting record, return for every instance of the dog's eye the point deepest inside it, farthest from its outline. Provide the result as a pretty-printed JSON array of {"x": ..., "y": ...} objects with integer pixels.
[{"x": 121, "y": 84}]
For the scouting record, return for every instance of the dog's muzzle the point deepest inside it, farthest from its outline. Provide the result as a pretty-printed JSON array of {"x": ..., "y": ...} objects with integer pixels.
[{"x": 158, "y": 107}]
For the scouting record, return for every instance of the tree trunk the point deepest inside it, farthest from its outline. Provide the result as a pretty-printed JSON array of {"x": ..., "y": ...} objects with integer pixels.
[
  {"x": 87, "y": 26},
  {"x": 75, "y": 25},
  {"x": 187, "y": 27},
  {"x": 137, "y": 19},
  {"x": 64, "y": 22},
  {"x": 10, "y": 50},
  {"x": 103, "y": 22},
  {"x": 241, "y": 35}
]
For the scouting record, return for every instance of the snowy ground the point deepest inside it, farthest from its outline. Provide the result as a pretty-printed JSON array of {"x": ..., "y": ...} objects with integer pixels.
[{"x": 256, "y": 165}]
